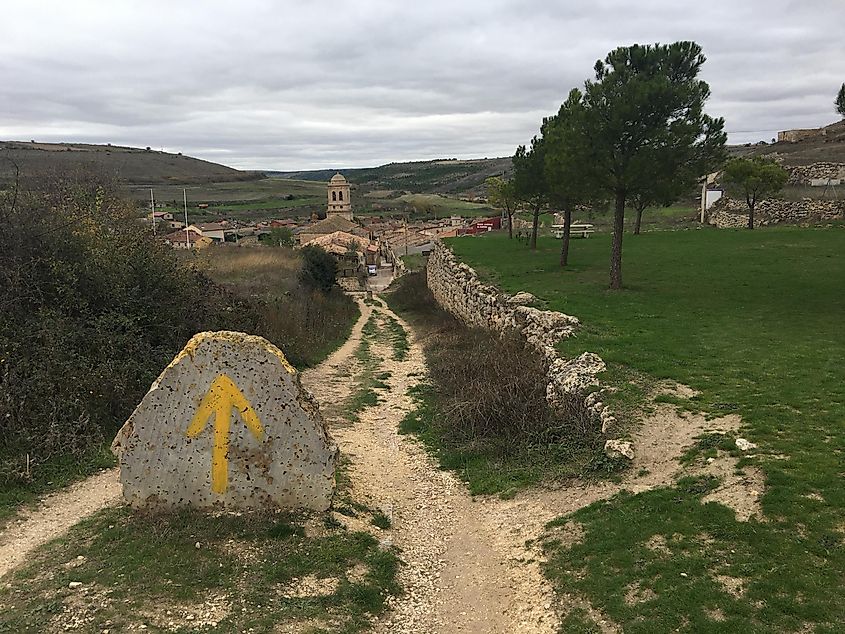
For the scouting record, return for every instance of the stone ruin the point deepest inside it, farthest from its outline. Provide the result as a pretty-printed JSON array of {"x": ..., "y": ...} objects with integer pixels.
[{"x": 227, "y": 425}]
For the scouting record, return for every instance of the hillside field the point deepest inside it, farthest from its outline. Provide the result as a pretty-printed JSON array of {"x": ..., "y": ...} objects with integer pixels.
[
  {"x": 752, "y": 321},
  {"x": 126, "y": 164}
]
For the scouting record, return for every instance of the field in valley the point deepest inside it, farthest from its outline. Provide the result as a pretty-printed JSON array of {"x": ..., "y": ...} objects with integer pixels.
[{"x": 752, "y": 322}]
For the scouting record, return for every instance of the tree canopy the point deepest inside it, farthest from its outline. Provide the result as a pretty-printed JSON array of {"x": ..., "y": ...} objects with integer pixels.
[
  {"x": 318, "y": 268},
  {"x": 840, "y": 101},
  {"x": 529, "y": 180},
  {"x": 755, "y": 179},
  {"x": 566, "y": 183},
  {"x": 644, "y": 123},
  {"x": 502, "y": 194}
]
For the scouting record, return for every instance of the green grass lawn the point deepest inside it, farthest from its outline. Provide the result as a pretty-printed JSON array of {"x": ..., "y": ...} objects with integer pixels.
[{"x": 753, "y": 320}]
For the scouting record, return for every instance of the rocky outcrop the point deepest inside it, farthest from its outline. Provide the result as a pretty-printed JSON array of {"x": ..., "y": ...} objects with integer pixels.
[
  {"x": 572, "y": 387},
  {"x": 731, "y": 213}
]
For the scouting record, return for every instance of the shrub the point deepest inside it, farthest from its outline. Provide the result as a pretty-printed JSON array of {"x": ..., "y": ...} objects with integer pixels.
[
  {"x": 307, "y": 324},
  {"x": 489, "y": 391},
  {"x": 91, "y": 310},
  {"x": 319, "y": 269}
]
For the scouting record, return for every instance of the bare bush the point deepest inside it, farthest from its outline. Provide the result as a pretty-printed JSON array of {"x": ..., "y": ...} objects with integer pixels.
[{"x": 489, "y": 391}]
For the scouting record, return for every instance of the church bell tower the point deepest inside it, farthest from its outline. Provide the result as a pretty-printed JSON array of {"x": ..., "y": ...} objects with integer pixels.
[{"x": 339, "y": 201}]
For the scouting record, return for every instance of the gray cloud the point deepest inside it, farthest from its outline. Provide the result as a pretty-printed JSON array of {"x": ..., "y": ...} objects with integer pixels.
[{"x": 290, "y": 85}]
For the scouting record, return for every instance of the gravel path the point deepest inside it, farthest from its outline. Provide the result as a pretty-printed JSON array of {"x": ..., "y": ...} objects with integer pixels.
[{"x": 54, "y": 515}]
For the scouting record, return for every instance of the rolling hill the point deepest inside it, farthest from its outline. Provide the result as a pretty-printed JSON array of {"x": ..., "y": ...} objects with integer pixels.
[
  {"x": 131, "y": 166},
  {"x": 828, "y": 146}
]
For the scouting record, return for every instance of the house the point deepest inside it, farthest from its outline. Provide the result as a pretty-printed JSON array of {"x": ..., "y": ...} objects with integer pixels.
[
  {"x": 489, "y": 224},
  {"x": 213, "y": 230},
  {"x": 160, "y": 216},
  {"x": 187, "y": 239},
  {"x": 372, "y": 255},
  {"x": 331, "y": 225},
  {"x": 481, "y": 226},
  {"x": 352, "y": 252}
]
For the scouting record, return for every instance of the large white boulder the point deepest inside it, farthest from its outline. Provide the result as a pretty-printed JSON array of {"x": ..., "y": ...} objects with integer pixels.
[{"x": 227, "y": 425}]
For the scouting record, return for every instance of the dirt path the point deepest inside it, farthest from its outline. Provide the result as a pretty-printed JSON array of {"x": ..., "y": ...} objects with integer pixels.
[
  {"x": 54, "y": 515},
  {"x": 468, "y": 568},
  {"x": 461, "y": 574}
]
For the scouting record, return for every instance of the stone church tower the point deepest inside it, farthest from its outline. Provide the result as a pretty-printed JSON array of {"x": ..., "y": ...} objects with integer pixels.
[{"x": 339, "y": 200}]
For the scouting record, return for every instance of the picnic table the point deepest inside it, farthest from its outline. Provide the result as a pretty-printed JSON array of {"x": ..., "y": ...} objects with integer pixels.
[{"x": 580, "y": 229}]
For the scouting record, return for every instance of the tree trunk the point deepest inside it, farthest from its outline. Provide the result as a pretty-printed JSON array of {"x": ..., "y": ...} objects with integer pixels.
[
  {"x": 564, "y": 247},
  {"x": 534, "y": 227},
  {"x": 616, "y": 250},
  {"x": 750, "y": 216},
  {"x": 639, "y": 221},
  {"x": 510, "y": 224}
]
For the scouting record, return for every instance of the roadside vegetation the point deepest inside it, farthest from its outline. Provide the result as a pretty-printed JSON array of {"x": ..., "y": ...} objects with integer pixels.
[
  {"x": 300, "y": 308},
  {"x": 483, "y": 412},
  {"x": 93, "y": 309},
  {"x": 751, "y": 321}
]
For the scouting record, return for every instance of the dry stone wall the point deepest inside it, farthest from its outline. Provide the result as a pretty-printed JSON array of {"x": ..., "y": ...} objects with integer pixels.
[
  {"x": 732, "y": 213},
  {"x": 807, "y": 174},
  {"x": 573, "y": 388}
]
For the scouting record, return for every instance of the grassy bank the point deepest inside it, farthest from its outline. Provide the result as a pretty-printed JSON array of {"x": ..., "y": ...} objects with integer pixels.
[
  {"x": 752, "y": 321},
  {"x": 123, "y": 571},
  {"x": 307, "y": 324}
]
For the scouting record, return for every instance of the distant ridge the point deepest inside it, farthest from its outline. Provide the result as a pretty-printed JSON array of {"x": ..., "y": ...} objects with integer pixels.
[
  {"x": 446, "y": 176},
  {"x": 133, "y": 166}
]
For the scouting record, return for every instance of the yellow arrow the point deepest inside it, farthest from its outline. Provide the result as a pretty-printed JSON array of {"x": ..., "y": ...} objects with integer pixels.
[{"x": 221, "y": 397}]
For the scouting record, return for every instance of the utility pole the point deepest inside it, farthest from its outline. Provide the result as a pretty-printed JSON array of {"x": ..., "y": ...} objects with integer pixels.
[
  {"x": 187, "y": 233},
  {"x": 405, "y": 222},
  {"x": 153, "y": 208}
]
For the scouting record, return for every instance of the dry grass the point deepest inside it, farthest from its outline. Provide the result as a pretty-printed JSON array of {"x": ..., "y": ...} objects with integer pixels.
[
  {"x": 306, "y": 324},
  {"x": 268, "y": 271}
]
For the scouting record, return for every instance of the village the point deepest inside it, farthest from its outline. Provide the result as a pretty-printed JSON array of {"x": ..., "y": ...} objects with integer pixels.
[{"x": 362, "y": 247}]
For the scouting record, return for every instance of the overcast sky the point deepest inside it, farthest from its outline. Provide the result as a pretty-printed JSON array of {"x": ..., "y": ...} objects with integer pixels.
[{"x": 301, "y": 85}]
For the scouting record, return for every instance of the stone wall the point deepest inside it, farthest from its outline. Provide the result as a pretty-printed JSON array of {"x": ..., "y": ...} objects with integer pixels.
[
  {"x": 806, "y": 174},
  {"x": 731, "y": 213},
  {"x": 572, "y": 389}
]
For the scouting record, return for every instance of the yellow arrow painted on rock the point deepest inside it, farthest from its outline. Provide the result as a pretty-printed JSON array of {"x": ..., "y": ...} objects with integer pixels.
[{"x": 221, "y": 397}]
